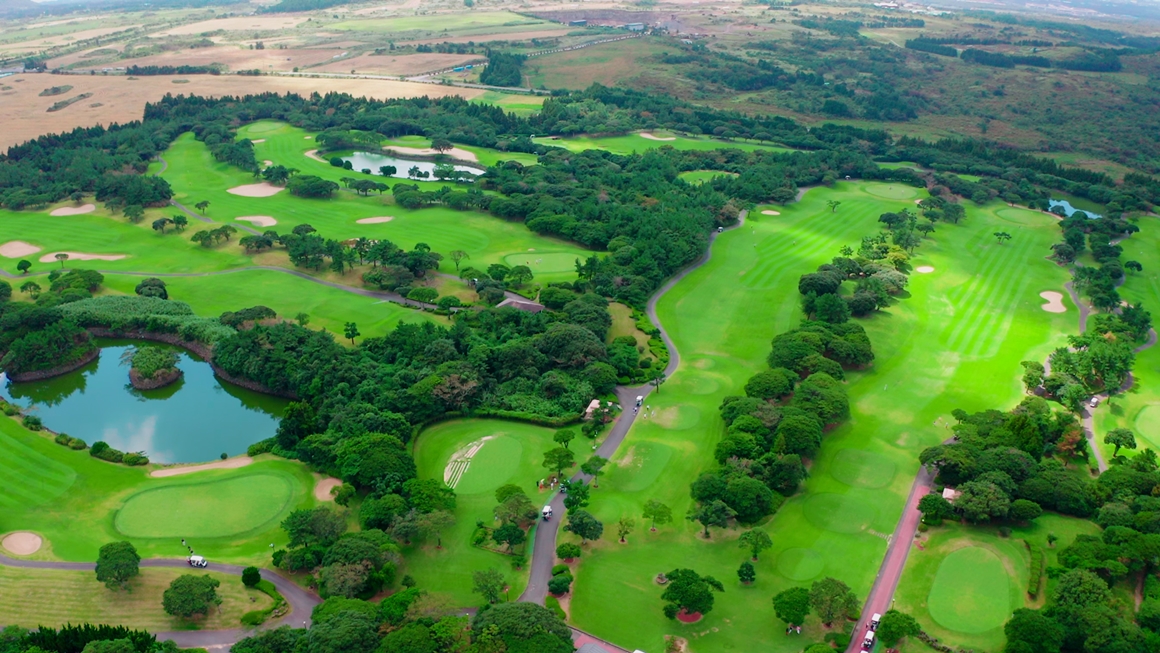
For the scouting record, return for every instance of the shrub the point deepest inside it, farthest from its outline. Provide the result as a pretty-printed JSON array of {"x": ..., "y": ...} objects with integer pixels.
[
  {"x": 9, "y": 409},
  {"x": 561, "y": 569},
  {"x": 1036, "y": 569},
  {"x": 559, "y": 585},
  {"x": 553, "y": 604},
  {"x": 77, "y": 444},
  {"x": 568, "y": 551},
  {"x": 251, "y": 576},
  {"x": 260, "y": 447},
  {"x": 255, "y": 617},
  {"x": 480, "y": 536},
  {"x": 32, "y": 423},
  {"x": 135, "y": 459},
  {"x": 102, "y": 450},
  {"x": 63, "y": 438},
  {"x": 150, "y": 361}
]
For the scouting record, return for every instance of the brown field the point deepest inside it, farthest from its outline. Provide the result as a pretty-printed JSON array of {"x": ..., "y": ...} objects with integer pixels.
[
  {"x": 123, "y": 100},
  {"x": 501, "y": 36},
  {"x": 36, "y": 45},
  {"x": 236, "y": 58},
  {"x": 607, "y": 63},
  {"x": 241, "y": 23},
  {"x": 406, "y": 64},
  {"x": 80, "y": 56}
]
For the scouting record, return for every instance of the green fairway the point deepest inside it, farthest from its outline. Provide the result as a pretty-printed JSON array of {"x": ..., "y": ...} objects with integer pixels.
[
  {"x": 702, "y": 176},
  {"x": 637, "y": 143},
  {"x": 954, "y": 343},
  {"x": 216, "y": 508},
  {"x": 970, "y": 591},
  {"x": 510, "y": 452},
  {"x": 78, "y": 503},
  {"x": 892, "y": 191}
]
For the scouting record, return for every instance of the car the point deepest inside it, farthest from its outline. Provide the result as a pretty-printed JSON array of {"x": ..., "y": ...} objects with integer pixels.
[{"x": 1094, "y": 402}]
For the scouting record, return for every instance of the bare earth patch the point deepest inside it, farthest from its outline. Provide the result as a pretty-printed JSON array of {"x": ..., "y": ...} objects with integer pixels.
[
  {"x": 264, "y": 189},
  {"x": 378, "y": 220},
  {"x": 924, "y": 269},
  {"x": 74, "y": 210},
  {"x": 81, "y": 256},
  {"x": 1054, "y": 302},
  {"x": 322, "y": 488},
  {"x": 258, "y": 220},
  {"x": 426, "y": 151},
  {"x": 657, "y": 138},
  {"x": 23, "y": 543},
  {"x": 17, "y": 249},
  {"x": 230, "y": 463},
  {"x": 771, "y": 213}
]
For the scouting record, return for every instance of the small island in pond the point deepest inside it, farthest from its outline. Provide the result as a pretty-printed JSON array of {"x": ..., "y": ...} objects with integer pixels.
[{"x": 151, "y": 367}]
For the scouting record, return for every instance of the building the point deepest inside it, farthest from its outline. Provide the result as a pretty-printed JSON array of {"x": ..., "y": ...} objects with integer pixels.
[
  {"x": 578, "y": 23},
  {"x": 521, "y": 305}
]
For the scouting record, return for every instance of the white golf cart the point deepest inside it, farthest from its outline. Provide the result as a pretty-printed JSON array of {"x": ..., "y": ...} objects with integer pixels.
[{"x": 198, "y": 561}]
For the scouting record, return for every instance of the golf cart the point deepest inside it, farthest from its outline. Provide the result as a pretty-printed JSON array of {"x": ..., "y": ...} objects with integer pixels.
[
  {"x": 875, "y": 620},
  {"x": 868, "y": 643},
  {"x": 547, "y": 513},
  {"x": 198, "y": 561}
]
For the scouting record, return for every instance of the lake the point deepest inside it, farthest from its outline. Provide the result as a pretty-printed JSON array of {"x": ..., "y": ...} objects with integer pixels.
[
  {"x": 361, "y": 160},
  {"x": 195, "y": 419},
  {"x": 1068, "y": 209}
]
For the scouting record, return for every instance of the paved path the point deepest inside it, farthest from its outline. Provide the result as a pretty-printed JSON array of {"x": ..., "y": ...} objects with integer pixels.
[
  {"x": 301, "y": 601},
  {"x": 544, "y": 545}
]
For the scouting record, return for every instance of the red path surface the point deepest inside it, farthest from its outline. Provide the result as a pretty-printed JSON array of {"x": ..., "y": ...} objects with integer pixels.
[{"x": 882, "y": 593}]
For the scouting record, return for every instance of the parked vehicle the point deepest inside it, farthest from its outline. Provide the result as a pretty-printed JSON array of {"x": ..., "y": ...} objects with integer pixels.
[
  {"x": 868, "y": 642},
  {"x": 874, "y": 621},
  {"x": 198, "y": 561},
  {"x": 547, "y": 513},
  {"x": 1094, "y": 402}
]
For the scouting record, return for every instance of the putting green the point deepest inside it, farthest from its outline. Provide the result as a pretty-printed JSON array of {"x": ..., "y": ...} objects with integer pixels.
[
  {"x": 543, "y": 262},
  {"x": 839, "y": 513},
  {"x": 1148, "y": 419},
  {"x": 493, "y": 465},
  {"x": 216, "y": 508},
  {"x": 891, "y": 191},
  {"x": 970, "y": 593},
  {"x": 859, "y": 468},
  {"x": 1019, "y": 216},
  {"x": 642, "y": 464},
  {"x": 800, "y": 564},
  {"x": 30, "y": 477}
]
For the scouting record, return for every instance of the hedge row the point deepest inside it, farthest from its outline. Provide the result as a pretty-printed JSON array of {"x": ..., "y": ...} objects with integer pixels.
[{"x": 1036, "y": 571}]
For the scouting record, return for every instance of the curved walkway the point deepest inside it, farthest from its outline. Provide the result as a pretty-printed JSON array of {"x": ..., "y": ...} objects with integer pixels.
[
  {"x": 301, "y": 601},
  {"x": 544, "y": 546}
]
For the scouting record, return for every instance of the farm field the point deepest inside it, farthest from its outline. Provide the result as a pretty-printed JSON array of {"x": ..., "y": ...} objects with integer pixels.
[
  {"x": 942, "y": 348},
  {"x": 457, "y": 24},
  {"x": 607, "y": 64},
  {"x": 511, "y": 452},
  {"x": 35, "y": 597},
  {"x": 78, "y": 503}
]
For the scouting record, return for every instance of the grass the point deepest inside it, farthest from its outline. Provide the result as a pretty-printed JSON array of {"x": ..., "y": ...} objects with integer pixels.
[
  {"x": 954, "y": 343},
  {"x": 513, "y": 456},
  {"x": 636, "y": 143},
  {"x": 78, "y": 503},
  {"x": 35, "y": 597},
  {"x": 623, "y": 324},
  {"x": 607, "y": 64},
  {"x": 702, "y": 176},
  {"x": 464, "y": 23}
]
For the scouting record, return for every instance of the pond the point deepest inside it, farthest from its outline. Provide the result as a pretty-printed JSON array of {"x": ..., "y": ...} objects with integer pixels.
[
  {"x": 1068, "y": 209},
  {"x": 195, "y": 419},
  {"x": 365, "y": 160}
]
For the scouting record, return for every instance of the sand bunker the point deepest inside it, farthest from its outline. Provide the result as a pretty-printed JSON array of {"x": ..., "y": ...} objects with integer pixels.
[
  {"x": 313, "y": 154},
  {"x": 22, "y": 544},
  {"x": 229, "y": 463},
  {"x": 1054, "y": 302},
  {"x": 378, "y": 220},
  {"x": 74, "y": 210},
  {"x": 258, "y": 220},
  {"x": 771, "y": 213},
  {"x": 322, "y": 489},
  {"x": 456, "y": 152},
  {"x": 309, "y": 138},
  {"x": 267, "y": 163},
  {"x": 81, "y": 256},
  {"x": 924, "y": 269},
  {"x": 260, "y": 140},
  {"x": 17, "y": 249},
  {"x": 264, "y": 189},
  {"x": 657, "y": 138}
]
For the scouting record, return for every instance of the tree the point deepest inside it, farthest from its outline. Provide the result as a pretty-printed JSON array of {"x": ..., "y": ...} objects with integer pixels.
[
  {"x": 583, "y": 524},
  {"x": 189, "y": 595},
  {"x": 1133, "y": 265},
  {"x": 576, "y": 495},
  {"x": 558, "y": 460},
  {"x": 23, "y": 266},
  {"x": 593, "y": 467},
  {"x": 832, "y": 600},
  {"x": 457, "y": 256},
  {"x": 320, "y": 526},
  {"x": 832, "y": 309},
  {"x": 1002, "y": 236},
  {"x": 624, "y": 527},
  {"x": 509, "y": 534},
  {"x": 135, "y": 213},
  {"x": 746, "y": 573},
  {"x": 520, "y": 627},
  {"x": 160, "y": 224},
  {"x": 560, "y": 584},
  {"x": 440, "y": 144},
  {"x": 657, "y": 513},
  {"x": 713, "y": 513},
  {"x": 1120, "y": 438},
  {"x": 30, "y": 288},
  {"x": 792, "y": 605},
  {"x": 519, "y": 275},
  {"x": 981, "y": 500},
  {"x": 656, "y": 379},
  {"x": 117, "y": 562},
  {"x": 689, "y": 592},
  {"x": 180, "y": 222},
  {"x": 1030, "y": 631},
  {"x": 432, "y": 524},
  {"x": 251, "y": 576},
  {"x": 564, "y": 437},
  {"x": 894, "y": 626},
  {"x": 350, "y": 330},
  {"x": 934, "y": 508},
  {"x": 756, "y": 540},
  {"x": 152, "y": 287},
  {"x": 833, "y": 205},
  {"x": 489, "y": 584},
  {"x": 568, "y": 551},
  {"x": 201, "y": 206},
  {"x": 61, "y": 257},
  {"x": 1023, "y": 510}
]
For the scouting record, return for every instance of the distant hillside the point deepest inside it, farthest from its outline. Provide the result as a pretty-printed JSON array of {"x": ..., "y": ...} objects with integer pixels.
[{"x": 303, "y": 5}]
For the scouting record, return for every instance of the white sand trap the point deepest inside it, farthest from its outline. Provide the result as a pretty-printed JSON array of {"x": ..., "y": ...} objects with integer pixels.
[
  {"x": 229, "y": 463},
  {"x": 924, "y": 269},
  {"x": 456, "y": 152},
  {"x": 22, "y": 544},
  {"x": 267, "y": 163},
  {"x": 17, "y": 249},
  {"x": 313, "y": 154},
  {"x": 264, "y": 189},
  {"x": 74, "y": 210},
  {"x": 461, "y": 460},
  {"x": 322, "y": 489},
  {"x": 918, "y": 201},
  {"x": 81, "y": 256},
  {"x": 657, "y": 138},
  {"x": 771, "y": 213},
  {"x": 1054, "y": 302},
  {"x": 258, "y": 220},
  {"x": 260, "y": 140},
  {"x": 309, "y": 138},
  {"x": 378, "y": 220}
]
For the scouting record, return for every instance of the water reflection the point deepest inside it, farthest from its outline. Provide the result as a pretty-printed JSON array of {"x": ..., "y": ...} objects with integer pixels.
[{"x": 363, "y": 160}]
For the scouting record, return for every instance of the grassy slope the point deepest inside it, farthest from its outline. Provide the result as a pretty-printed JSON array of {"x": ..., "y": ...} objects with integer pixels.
[
  {"x": 637, "y": 143},
  {"x": 964, "y": 327}
]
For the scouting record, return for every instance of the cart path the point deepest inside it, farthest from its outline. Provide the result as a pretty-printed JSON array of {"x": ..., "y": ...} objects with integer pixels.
[
  {"x": 301, "y": 600},
  {"x": 544, "y": 545}
]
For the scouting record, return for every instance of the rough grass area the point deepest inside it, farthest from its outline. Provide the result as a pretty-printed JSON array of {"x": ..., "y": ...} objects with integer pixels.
[{"x": 607, "y": 64}]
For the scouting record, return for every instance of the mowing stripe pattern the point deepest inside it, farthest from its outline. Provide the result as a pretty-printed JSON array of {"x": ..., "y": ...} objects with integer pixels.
[
  {"x": 985, "y": 305},
  {"x": 33, "y": 477},
  {"x": 459, "y": 463}
]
